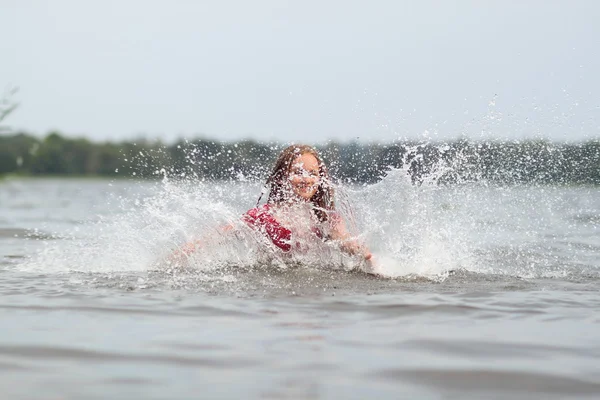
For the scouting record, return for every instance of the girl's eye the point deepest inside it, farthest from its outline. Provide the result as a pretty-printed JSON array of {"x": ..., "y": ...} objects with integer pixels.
[{"x": 312, "y": 174}]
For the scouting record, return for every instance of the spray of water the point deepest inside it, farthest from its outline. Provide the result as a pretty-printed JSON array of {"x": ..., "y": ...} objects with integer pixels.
[
  {"x": 431, "y": 213},
  {"x": 409, "y": 229}
]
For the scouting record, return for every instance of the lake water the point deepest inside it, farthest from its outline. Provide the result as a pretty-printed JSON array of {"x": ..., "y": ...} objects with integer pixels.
[{"x": 483, "y": 292}]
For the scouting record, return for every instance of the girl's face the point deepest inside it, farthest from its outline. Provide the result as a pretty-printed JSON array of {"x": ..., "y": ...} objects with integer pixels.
[{"x": 304, "y": 176}]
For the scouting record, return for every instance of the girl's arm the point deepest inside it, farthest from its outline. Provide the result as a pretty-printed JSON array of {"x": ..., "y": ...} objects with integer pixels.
[
  {"x": 189, "y": 248},
  {"x": 351, "y": 245},
  {"x": 348, "y": 243}
]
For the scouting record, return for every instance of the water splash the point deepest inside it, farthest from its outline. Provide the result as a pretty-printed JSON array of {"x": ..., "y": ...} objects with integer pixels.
[{"x": 415, "y": 224}]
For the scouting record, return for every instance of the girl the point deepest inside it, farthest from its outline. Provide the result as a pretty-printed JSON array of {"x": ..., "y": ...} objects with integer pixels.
[{"x": 300, "y": 208}]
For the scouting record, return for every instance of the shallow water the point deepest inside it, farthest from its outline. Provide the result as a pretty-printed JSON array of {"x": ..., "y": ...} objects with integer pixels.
[{"x": 489, "y": 292}]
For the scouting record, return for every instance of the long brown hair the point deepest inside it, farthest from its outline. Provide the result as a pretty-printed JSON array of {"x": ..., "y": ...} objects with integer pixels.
[{"x": 278, "y": 182}]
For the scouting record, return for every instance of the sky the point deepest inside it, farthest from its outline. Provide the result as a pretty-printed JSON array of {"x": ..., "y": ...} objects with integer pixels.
[{"x": 303, "y": 71}]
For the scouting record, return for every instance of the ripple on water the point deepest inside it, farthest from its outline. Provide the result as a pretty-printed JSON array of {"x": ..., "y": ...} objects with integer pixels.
[{"x": 491, "y": 381}]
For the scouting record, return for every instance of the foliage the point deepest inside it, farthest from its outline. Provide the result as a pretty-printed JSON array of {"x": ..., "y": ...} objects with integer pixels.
[
  {"x": 7, "y": 106},
  {"x": 532, "y": 161}
]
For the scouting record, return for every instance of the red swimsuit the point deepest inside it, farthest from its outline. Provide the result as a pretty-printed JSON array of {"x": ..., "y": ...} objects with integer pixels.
[{"x": 261, "y": 219}]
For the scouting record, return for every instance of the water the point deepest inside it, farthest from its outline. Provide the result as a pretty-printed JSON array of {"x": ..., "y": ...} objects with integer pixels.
[{"x": 484, "y": 292}]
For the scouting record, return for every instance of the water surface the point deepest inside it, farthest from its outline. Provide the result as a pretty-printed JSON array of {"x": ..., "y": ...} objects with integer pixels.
[{"x": 489, "y": 292}]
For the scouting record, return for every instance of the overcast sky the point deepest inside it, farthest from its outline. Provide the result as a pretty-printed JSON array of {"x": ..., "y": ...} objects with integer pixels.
[{"x": 303, "y": 70}]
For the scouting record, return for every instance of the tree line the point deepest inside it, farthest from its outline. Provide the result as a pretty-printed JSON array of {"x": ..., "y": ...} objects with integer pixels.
[{"x": 529, "y": 161}]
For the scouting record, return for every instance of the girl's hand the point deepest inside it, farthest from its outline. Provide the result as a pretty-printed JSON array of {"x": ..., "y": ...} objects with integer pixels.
[
  {"x": 190, "y": 247},
  {"x": 185, "y": 251},
  {"x": 355, "y": 248},
  {"x": 352, "y": 247}
]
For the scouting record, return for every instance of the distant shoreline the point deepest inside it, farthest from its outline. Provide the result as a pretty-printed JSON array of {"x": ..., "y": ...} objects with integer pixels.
[
  {"x": 459, "y": 161},
  {"x": 10, "y": 176}
]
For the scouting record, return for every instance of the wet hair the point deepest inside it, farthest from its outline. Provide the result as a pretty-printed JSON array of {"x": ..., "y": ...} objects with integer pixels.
[{"x": 278, "y": 182}]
